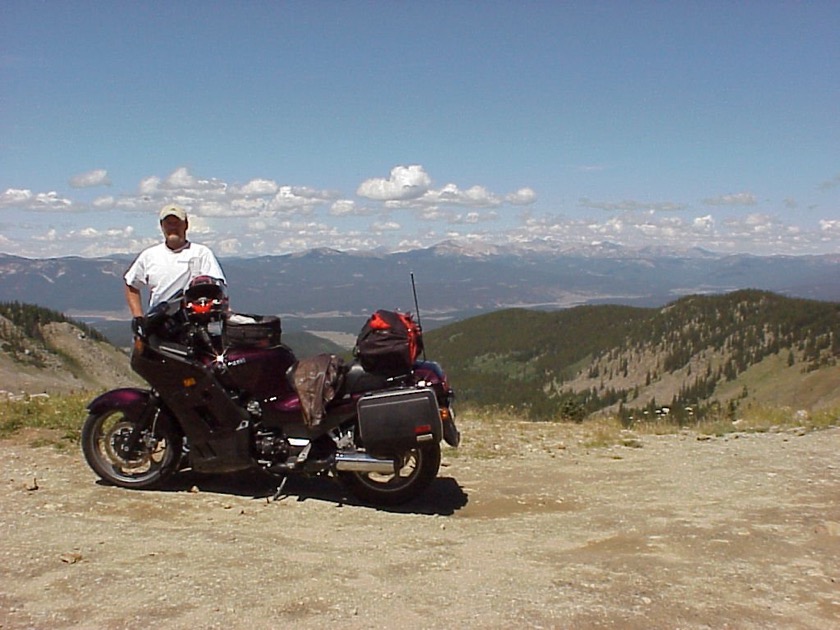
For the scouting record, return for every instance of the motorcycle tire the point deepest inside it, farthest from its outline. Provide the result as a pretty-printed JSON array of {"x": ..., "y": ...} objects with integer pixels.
[
  {"x": 416, "y": 470},
  {"x": 105, "y": 443}
]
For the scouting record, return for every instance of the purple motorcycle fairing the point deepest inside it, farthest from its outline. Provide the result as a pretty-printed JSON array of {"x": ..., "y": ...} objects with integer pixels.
[
  {"x": 129, "y": 399},
  {"x": 432, "y": 374},
  {"x": 261, "y": 372},
  {"x": 429, "y": 371}
]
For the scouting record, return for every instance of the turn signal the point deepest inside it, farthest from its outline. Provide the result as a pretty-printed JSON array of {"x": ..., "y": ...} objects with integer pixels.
[{"x": 445, "y": 414}]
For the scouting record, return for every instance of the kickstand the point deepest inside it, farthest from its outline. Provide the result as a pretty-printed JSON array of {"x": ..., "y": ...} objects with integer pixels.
[{"x": 278, "y": 494}]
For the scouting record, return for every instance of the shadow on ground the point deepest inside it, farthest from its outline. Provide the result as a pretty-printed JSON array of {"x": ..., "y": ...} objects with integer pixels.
[{"x": 443, "y": 497}]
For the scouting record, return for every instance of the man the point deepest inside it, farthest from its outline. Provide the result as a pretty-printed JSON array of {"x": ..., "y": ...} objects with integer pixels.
[{"x": 168, "y": 267}]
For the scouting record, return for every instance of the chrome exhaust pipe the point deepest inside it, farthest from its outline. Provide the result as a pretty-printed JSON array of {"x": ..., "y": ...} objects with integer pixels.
[{"x": 356, "y": 461}]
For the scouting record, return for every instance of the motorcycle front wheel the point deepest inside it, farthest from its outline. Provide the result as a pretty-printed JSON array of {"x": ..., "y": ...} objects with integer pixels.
[
  {"x": 123, "y": 457},
  {"x": 413, "y": 472}
]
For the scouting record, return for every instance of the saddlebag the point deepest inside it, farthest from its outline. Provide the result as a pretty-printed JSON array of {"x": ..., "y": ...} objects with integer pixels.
[
  {"x": 393, "y": 421},
  {"x": 254, "y": 331}
]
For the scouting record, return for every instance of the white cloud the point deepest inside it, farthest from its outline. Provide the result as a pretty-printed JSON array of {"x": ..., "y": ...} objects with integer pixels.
[
  {"x": 522, "y": 197},
  {"x": 705, "y": 223},
  {"x": 757, "y": 233},
  {"x": 410, "y": 187},
  {"x": 343, "y": 208},
  {"x": 433, "y": 213},
  {"x": 150, "y": 185},
  {"x": 473, "y": 217},
  {"x": 215, "y": 208},
  {"x": 198, "y": 225},
  {"x": 736, "y": 199},
  {"x": 245, "y": 207},
  {"x": 90, "y": 233},
  {"x": 216, "y": 198},
  {"x": 104, "y": 203},
  {"x": 12, "y": 197},
  {"x": 228, "y": 247},
  {"x": 91, "y": 179},
  {"x": 830, "y": 227},
  {"x": 756, "y": 219},
  {"x": 264, "y": 217},
  {"x": 349, "y": 208},
  {"x": 631, "y": 205},
  {"x": 181, "y": 179},
  {"x": 24, "y": 199},
  {"x": 385, "y": 226},
  {"x": 405, "y": 182},
  {"x": 476, "y": 196},
  {"x": 260, "y": 187},
  {"x": 291, "y": 199}
]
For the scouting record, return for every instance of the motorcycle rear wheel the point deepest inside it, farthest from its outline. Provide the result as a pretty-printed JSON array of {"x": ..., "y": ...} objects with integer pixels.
[
  {"x": 415, "y": 470},
  {"x": 106, "y": 439}
]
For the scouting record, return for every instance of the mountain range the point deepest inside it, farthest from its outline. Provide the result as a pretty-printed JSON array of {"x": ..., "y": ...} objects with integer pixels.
[{"x": 329, "y": 290}]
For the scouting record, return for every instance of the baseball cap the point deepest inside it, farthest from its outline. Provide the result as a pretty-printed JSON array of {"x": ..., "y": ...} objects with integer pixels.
[{"x": 173, "y": 210}]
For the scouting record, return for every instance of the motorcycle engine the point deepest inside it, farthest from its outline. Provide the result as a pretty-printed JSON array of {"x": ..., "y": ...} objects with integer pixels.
[{"x": 272, "y": 448}]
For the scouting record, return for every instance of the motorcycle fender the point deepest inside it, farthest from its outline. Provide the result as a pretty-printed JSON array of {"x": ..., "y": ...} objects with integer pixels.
[{"x": 125, "y": 398}]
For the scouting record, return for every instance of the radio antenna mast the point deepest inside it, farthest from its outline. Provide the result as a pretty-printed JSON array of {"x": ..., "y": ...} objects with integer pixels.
[
  {"x": 417, "y": 309},
  {"x": 416, "y": 303}
]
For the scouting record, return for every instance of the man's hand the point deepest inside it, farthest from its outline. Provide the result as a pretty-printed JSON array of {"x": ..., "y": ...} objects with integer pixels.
[{"x": 138, "y": 326}]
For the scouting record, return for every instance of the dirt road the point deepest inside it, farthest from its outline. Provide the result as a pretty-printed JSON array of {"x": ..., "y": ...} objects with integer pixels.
[{"x": 528, "y": 528}]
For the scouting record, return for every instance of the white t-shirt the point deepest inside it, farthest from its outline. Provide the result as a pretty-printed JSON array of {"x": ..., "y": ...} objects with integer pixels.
[{"x": 165, "y": 272}]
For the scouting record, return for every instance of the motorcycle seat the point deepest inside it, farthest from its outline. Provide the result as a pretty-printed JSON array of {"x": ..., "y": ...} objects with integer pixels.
[{"x": 357, "y": 380}]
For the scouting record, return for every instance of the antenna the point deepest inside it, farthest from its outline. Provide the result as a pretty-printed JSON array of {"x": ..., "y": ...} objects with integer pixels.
[
  {"x": 416, "y": 303},
  {"x": 417, "y": 310}
]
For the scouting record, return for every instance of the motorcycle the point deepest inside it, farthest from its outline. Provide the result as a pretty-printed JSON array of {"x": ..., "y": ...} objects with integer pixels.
[{"x": 223, "y": 399}]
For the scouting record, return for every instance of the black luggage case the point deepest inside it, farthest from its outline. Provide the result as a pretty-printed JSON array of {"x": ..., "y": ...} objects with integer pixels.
[
  {"x": 252, "y": 331},
  {"x": 396, "y": 420}
]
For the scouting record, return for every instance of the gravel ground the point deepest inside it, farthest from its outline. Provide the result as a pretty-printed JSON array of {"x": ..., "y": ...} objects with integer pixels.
[{"x": 526, "y": 526}]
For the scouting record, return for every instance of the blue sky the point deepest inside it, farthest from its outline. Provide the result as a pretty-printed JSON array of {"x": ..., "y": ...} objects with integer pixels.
[{"x": 282, "y": 126}]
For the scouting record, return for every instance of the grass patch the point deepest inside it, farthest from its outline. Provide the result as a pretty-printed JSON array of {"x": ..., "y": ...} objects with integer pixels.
[
  {"x": 603, "y": 433},
  {"x": 490, "y": 433},
  {"x": 58, "y": 416},
  {"x": 755, "y": 419},
  {"x": 758, "y": 418}
]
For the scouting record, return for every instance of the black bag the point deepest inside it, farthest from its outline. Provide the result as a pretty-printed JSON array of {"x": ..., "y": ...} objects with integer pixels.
[
  {"x": 389, "y": 343},
  {"x": 257, "y": 331}
]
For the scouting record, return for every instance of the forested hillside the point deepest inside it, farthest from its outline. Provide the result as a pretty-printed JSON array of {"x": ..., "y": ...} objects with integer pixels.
[
  {"x": 42, "y": 351},
  {"x": 697, "y": 354},
  {"x": 28, "y": 320}
]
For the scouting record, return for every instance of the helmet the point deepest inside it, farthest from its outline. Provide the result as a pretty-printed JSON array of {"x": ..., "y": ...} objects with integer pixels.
[{"x": 205, "y": 297}]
